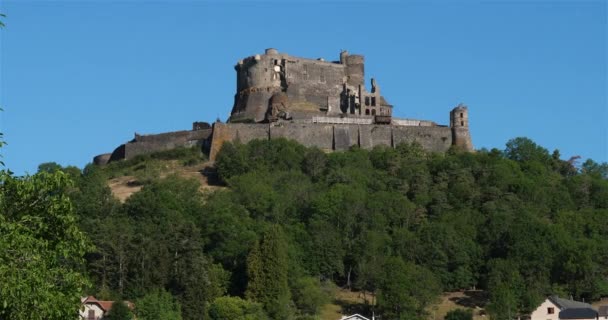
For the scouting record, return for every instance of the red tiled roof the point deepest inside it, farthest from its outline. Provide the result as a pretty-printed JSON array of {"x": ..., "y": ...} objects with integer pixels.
[{"x": 105, "y": 305}]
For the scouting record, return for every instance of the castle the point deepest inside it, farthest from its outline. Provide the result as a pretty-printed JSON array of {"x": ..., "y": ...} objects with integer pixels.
[{"x": 315, "y": 102}]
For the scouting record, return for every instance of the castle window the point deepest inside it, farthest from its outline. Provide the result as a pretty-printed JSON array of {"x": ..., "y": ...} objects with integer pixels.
[
  {"x": 461, "y": 114},
  {"x": 373, "y": 112},
  {"x": 462, "y": 123},
  {"x": 367, "y": 112},
  {"x": 367, "y": 101},
  {"x": 373, "y": 101}
]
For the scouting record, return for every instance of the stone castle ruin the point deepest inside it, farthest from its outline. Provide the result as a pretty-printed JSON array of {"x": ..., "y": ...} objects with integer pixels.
[
  {"x": 315, "y": 102},
  {"x": 273, "y": 86}
]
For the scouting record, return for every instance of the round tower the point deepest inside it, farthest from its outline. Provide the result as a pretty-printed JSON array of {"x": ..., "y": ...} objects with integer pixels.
[
  {"x": 271, "y": 51},
  {"x": 459, "y": 116},
  {"x": 343, "y": 55},
  {"x": 355, "y": 71},
  {"x": 459, "y": 123}
]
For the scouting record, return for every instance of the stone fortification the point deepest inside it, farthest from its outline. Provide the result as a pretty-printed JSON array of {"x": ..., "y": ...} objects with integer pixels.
[
  {"x": 317, "y": 103},
  {"x": 144, "y": 144},
  {"x": 277, "y": 85},
  {"x": 333, "y": 137}
]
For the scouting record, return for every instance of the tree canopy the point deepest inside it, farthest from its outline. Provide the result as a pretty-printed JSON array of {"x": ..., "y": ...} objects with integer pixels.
[{"x": 401, "y": 224}]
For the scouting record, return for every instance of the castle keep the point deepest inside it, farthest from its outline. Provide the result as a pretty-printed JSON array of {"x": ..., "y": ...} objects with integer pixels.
[
  {"x": 315, "y": 102},
  {"x": 276, "y": 85}
]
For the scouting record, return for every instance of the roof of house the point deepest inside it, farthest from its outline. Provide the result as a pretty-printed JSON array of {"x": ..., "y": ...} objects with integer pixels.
[
  {"x": 568, "y": 304},
  {"x": 104, "y": 305},
  {"x": 355, "y": 316},
  {"x": 578, "y": 313},
  {"x": 603, "y": 311}
]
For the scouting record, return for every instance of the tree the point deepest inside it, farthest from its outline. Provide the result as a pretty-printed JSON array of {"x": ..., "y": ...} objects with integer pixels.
[
  {"x": 267, "y": 267},
  {"x": 308, "y": 295},
  {"x": 41, "y": 248},
  {"x": 235, "y": 308},
  {"x": 459, "y": 314},
  {"x": 49, "y": 167},
  {"x": 523, "y": 149},
  {"x": 406, "y": 290},
  {"x": 120, "y": 311},
  {"x": 158, "y": 305}
]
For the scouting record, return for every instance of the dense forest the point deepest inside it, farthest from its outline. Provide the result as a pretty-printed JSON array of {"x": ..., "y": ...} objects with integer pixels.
[{"x": 291, "y": 223}]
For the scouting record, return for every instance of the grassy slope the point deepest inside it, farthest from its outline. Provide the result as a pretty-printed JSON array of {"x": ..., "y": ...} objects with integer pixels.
[
  {"x": 128, "y": 177},
  {"x": 348, "y": 302}
]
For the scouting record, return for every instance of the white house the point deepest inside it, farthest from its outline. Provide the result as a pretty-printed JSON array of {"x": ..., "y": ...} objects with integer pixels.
[
  {"x": 603, "y": 312},
  {"x": 553, "y": 309},
  {"x": 93, "y": 309},
  {"x": 355, "y": 317}
]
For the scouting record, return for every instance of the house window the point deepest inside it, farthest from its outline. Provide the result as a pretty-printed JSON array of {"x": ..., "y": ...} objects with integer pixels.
[
  {"x": 550, "y": 310},
  {"x": 91, "y": 315}
]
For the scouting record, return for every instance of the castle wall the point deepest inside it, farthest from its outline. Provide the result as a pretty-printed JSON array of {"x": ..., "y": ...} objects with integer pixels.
[
  {"x": 251, "y": 106},
  {"x": 242, "y": 132},
  {"x": 102, "y": 159},
  {"x": 308, "y": 134},
  {"x": 334, "y": 136},
  {"x": 144, "y": 144},
  {"x": 436, "y": 139},
  {"x": 315, "y": 82}
]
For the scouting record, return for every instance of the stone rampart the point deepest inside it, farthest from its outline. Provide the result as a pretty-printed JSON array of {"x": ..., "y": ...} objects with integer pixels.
[
  {"x": 144, "y": 144},
  {"x": 334, "y": 136}
]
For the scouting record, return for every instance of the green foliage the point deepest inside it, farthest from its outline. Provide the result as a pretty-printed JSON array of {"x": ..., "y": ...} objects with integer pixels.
[
  {"x": 406, "y": 290},
  {"x": 525, "y": 150},
  {"x": 267, "y": 268},
  {"x": 235, "y": 308},
  {"x": 41, "y": 248},
  {"x": 459, "y": 314},
  {"x": 308, "y": 295},
  {"x": 119, "y": 311},
  {"x": 49, "y": 167},
  {"x": 401, "y": 223},
  {"x": 158, "y": 305}
]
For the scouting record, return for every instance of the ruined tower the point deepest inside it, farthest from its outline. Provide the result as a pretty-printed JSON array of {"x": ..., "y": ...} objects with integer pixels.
[
  {"x": 459, "y": 123},
  {"x": 309, "y": 88}
]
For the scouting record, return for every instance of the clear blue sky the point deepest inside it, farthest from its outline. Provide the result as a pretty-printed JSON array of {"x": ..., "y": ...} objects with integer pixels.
[{"x": 78, "y": 78}]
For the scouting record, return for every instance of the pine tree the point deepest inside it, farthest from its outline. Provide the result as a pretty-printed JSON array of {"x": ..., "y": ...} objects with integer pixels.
[
  {"x": 255, "y": 281},
  {"x": 267, "y": 267}
]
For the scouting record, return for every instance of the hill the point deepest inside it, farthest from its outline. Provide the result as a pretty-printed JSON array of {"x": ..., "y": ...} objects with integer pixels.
[{"x": 401, "y": 224}]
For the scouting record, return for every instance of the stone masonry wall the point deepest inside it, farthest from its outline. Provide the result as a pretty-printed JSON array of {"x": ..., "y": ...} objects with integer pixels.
[
  {"x": 333, "y": 136},
  {"x": 143, "y": 144}
]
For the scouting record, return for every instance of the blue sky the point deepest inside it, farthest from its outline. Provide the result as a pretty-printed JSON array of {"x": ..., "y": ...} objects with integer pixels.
[{"x": 78, "y": 78}]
